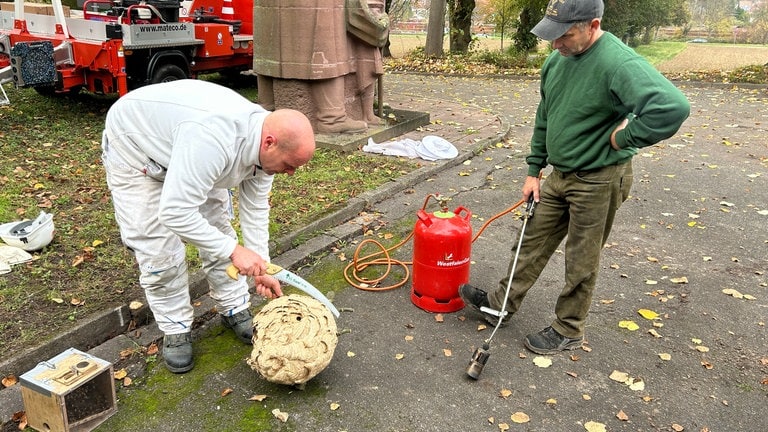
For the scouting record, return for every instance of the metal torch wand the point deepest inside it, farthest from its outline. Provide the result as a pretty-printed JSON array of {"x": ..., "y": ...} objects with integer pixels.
[{"x": 481, "y": 355}]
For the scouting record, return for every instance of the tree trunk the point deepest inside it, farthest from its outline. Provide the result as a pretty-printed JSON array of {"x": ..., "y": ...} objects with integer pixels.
[
  {"x": 435, "y": 28},
  {"x": 460, "y": 12}
]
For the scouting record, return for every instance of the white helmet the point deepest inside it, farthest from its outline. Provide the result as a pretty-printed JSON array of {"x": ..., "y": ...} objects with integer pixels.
[{"x": 29, "y": 235}]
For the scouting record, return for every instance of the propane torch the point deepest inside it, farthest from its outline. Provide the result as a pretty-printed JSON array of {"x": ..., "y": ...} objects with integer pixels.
[{"x": 481, "y": 355}]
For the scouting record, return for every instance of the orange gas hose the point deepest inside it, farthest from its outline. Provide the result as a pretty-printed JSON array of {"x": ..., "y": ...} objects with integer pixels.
[{"x": 359, "y": 264}]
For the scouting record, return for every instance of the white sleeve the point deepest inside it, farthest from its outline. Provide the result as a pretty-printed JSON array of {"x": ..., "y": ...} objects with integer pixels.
[{"x": 253, "y": 199}]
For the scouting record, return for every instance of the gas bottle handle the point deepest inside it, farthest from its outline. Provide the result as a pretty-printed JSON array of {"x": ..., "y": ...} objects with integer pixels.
[
  {"x": 461, "y": 209},
  {"x": 424, "y": 217}
]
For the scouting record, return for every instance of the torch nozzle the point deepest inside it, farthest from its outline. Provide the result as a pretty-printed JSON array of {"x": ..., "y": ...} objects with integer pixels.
[{"x": 479, "y": 358}]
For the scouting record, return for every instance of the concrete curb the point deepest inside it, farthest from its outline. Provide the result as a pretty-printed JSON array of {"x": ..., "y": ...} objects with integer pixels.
[{"x": 104, "y": 334}]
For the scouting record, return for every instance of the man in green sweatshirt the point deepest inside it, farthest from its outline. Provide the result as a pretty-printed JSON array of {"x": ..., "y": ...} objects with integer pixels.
[{"x": 600, "y": 103}]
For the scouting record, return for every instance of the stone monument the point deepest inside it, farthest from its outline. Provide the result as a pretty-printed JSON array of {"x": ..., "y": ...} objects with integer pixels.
[{"x": 322, "y": 58}]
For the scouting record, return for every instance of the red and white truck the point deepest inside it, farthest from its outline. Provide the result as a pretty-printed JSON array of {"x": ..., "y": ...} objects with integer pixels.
[{"x": 114, "y": 46}]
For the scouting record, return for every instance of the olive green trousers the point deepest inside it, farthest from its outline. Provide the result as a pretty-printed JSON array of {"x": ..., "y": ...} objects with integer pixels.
[{"x": 581, "y": 206}]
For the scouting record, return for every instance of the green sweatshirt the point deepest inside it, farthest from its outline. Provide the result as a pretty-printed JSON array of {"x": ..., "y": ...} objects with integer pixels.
[{"x": 584, "y": 98}]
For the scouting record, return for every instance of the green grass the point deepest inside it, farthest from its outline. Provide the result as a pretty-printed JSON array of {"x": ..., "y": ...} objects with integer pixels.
[{"x": 659, "y": 52}]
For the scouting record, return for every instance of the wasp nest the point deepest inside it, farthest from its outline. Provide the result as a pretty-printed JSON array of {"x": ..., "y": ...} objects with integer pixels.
[{"x": 294, "y": 338}]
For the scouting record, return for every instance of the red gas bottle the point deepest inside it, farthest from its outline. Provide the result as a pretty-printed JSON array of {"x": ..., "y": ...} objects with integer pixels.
[{"x": 442, "y": 243}]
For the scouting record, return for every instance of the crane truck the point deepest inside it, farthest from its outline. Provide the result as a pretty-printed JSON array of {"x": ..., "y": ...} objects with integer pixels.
[{"x": 114, "y": 46}]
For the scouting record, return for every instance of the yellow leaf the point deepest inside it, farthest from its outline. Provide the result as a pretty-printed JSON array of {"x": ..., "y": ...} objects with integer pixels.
[
  {"x": 335, "y": 406},
  {"x": 648, "y": 314},
  {"x": 399, "y": 356},
  {"x": 505, "y": 393},
  {"x": 732, "y": 292},
  {"x": 650, "y": 282},
  {"x": 257, "y": 398},
  {"x": 503, "y": 427},
  {"x": 96, "y": 243},
  {"x": 551, "y": 401},
  {"x": 350, "y": 354},
  {"x": 637, "y": 385},
  {"x": 520, "y": 417},
  {"x": 592, "y": 426},
  {"x": 122, "y": 373},
  {"x": 629, "y": 325},
  {"x": 447, "y": 352},
  {"x": 542, "y": 362},
  {"x": 680, "y": 280},
  {"x": 692, "y": 223},
  {"x": 702, "y": 348},
  {"x": 665, "y": 356},
  {"x": 57, "y": 300},
  {"x": 619, "y": 376},
  {"x": 39, "y": 186}
]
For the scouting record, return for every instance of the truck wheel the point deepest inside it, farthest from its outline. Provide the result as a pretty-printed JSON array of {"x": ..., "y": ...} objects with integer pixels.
[{"x": 166, "y": 73}]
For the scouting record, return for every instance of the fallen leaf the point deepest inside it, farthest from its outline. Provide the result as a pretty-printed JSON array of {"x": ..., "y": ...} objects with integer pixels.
[
  {"x": 629, "y": 325},
  {"x": 439, "y": 318},
  {"x": 10, "y": 380},
  {"x": 622, "y": 416},
  {"x": 408, "y": 338},
  {"x": 619, "y": 376},
  {"x": 280, "y": 415},
  {"x": 505, "y": 393},
  {"x": 152, "y": 349},
  {"x": 335, "y": 406},
  {"x": 733, "y": 293},
  {"x": 551, "y": 401},
  {"x": 650, "y": 282},
  {"x": 680, "y": 280},
  {"x": 648, "y": 314},
  {"x": 447, "y": 352},
  {"x": 399, "y": 356},
  {"x": 665, "y": 356},
  {"x": 503, "y": 427},
  {"x": 520, "y": 417},
  {"x": 226, "y": 391},
  {"x": 654, "y": 333},
  {"x": 592, "y": 426},
  {"x": 258, "y": 398},
  {"x": 481, "y": 327},
  {"x": 677, "y": 428},
  {"x": 637, "y": 385},
  {"x": 542, "y": 362},
  {"x": 350, "y": 354},
  {"x": 702, "y": 348},
  {"x": 127, "y": 381}
]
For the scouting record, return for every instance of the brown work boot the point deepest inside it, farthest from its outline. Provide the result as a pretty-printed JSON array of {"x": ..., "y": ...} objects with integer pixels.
[{"x": 347, "y": 126}]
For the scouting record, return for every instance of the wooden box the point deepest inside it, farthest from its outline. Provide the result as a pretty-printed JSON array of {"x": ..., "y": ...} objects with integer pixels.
[{"x": 72, "y": 392}]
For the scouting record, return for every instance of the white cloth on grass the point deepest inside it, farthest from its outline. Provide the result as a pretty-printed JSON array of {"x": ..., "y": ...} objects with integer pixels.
[{"x": 11, "y": 255}]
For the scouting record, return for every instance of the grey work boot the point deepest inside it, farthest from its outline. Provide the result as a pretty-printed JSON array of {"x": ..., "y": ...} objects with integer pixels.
[
  {"x": 478, "y": 300},
  {"x": 549, "y": 341},
  {"x": 242, "y": 324},
  {"x": 177, "y": 352}
]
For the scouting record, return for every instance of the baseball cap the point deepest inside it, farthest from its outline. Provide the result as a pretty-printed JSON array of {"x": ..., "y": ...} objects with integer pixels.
[{"x": 563, "y": 14}]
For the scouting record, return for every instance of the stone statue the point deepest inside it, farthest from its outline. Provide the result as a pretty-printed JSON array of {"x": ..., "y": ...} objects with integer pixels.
[{"x": 317, "y": 57}]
